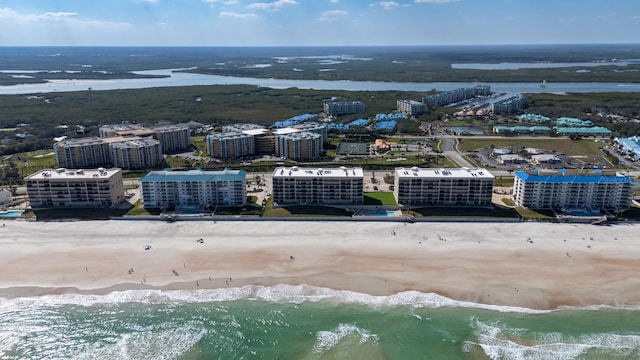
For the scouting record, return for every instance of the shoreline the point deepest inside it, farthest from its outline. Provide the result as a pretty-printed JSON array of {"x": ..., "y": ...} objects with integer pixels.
[{"x": 564, "y": 265}]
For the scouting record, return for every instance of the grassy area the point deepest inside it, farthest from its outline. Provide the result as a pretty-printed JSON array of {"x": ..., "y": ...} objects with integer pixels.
[
  {"x": 529, "y": 214},
  {"x": 561, "y": 145},
  {"x": 305, "y": 210},
  {"x": 505, "y": 181},
  {"x": 463, "y": 212},
  {"x": 379, "y": 198}
]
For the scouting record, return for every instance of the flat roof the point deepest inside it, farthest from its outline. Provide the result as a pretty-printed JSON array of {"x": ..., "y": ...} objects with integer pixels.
[
  {"x": 194, "y": 175},
  {"x": 255, "y": 132},
  {"x": 299, "y": 172},
  {"x": 573, "y": 178},
  {"x": 66, "y": 174},
  {"x": 444, "y": 173}
]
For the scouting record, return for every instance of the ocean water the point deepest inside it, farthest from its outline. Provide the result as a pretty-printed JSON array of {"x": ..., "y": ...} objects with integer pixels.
[{"x": 303, "y": 322}]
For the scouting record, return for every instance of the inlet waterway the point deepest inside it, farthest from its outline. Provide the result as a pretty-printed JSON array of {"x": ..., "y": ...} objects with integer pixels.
[{"x": 190, "y": 79}]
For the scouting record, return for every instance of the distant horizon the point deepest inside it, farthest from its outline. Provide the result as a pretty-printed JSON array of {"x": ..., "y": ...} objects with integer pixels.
[{"x": 322, "y": 46}]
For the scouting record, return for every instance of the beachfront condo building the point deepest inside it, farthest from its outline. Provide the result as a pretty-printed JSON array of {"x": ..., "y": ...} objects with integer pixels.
[
  {"x": 443, "y": 187},
  {"x": 572, "y": 190},
  {"x": 172, "y": 138},
  {"x": 411, "y": 107},
  {"x": 343, "y": 107},
  {"x": 318, "y": 186},
  {"x": 297, "y": 145},
  {"x": 230, "y": 145},
  {"x": 136, "y": 153},
  {"x": 193, "y": 188},
  {"x": 75, "y": 188}
]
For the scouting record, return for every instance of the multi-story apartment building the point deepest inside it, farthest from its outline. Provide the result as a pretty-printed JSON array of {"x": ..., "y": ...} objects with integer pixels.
[
  {"x": 230, "y": 145},
  {"x": 343, "y": 107},
  {"x": 411, "y": 107},
  {"x": 333, "y": 186},
  {"x": 194, "y": 188},
  {"x": 313, "y": 127},
  {"x": 572, "y": 190},
  {"x": 75, "y": 188},
  {"x": 299, "y": 145},
  {"x": 443, "y": 187},
  {"x": 172, "y": 137},
  {"x": 510, "y": 105},
  {"x": 135, "y": 153},
  {"x": 81, "y": 153},
  {"x": 452, "y": 96}
]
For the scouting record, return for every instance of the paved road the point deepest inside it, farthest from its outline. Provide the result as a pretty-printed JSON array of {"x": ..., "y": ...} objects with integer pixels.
[{"x": 450, "y": 150}]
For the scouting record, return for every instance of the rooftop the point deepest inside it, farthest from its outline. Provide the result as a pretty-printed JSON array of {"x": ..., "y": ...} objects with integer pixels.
[
  {"x": 194, "y": 175},
  {"x": 458, "y": 173},
  {"x": 298, "y": 172},
  {"x": 62, "y": 173},
  {"x": 566, "y": 177}
]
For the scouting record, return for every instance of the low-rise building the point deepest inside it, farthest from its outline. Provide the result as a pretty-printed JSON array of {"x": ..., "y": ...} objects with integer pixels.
[
  {"x": 329, "y": 186},
  {"x": 75, "y": 188},
  {"x": 510, "y": 159},
  {"x": 194, "y": 188},
  {"x": 572, "y": 190},
  {"x": 443, "y": 187}
]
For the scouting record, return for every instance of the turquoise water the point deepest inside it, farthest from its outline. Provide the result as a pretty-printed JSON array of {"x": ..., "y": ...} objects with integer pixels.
[
  {"x": 301, "y": 322},
  {"x": 383, "y": 213},
  {"x": 10, "y": 213}
]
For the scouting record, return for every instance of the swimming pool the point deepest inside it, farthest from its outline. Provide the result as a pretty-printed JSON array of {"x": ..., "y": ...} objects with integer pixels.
[
  {"x": 11, "y": 213},
  {"x": 382, "y": 213}
]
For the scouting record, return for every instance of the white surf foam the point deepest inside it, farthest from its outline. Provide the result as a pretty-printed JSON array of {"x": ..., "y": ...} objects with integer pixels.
[
  {"x": 276, "y": 293},
  {"x": 499, "y": 341},
  {"x": 327, "y": 340}
]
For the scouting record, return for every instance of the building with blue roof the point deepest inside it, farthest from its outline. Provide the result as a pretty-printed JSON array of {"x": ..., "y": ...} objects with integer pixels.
[
  {"x": 519, "y": 129},
  {"x": 629, "y": 147},
  {"x": 572, "y": 122},
  {"x": 359, "y": 122},
  {"x": 193, "y": 188},
  {"x": 388, "y": 125},
  {"x": 583, "y": 131},
  {"x": 533, "y": 118},
  {"x": 594, "y": 191}
]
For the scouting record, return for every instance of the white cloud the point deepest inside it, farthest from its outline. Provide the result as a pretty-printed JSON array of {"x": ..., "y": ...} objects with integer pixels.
[
  {"x": 272, "y": 6},
  {"x": 435, "y": 1},
  {"x": 223, "y": 2},
  {"x": 333, "y": 1},
  {"x": 238, "y": 15},
  {"x": 10, "y": 15},
  {"x": 149, "y": 1},
  {"x": 331, "y": 15},
  {"x": 387, "y": 5}
]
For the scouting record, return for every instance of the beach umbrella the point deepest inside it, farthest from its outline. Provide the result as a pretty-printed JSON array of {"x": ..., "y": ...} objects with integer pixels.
[{"x": 562, "y": 171}]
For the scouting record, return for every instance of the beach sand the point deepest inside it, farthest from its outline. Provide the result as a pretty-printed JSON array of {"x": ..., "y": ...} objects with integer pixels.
[{"x": 490, "y": 263}]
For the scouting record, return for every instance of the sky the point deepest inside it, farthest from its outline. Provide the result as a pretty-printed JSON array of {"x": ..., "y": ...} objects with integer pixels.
[{"x": 316, "y": 22}]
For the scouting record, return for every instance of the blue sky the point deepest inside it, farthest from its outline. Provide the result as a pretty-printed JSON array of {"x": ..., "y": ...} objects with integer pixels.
[{"x": 316, "y": 22}]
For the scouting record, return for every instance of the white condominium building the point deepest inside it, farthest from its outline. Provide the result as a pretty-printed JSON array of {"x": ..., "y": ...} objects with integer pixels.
[
  {"x": 172, "y": 137},
  {"x": 230, "y": 145},
  {"x": 592, "y": 191},
  {"x": 299, "y": 145},
  {"x": 443, "y": 187},
  {"x": 75, "y": 188},
  {"x": 343, "y": 107},
  {"x": 194, "y": 188},
  {"x": 333, "y": 186}
]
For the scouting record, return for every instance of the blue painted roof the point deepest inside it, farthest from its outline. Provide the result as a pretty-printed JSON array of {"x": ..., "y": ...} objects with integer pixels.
[
  {"x": 359, "y": 122},
  {"x": 194, "y": 175},
  {"x": 386, "y": 125},
  {"x": 555, "y": 178}
]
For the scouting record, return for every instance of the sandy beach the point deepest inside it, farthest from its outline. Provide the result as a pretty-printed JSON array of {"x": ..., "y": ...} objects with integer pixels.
[{"x": 491, "y": 263}]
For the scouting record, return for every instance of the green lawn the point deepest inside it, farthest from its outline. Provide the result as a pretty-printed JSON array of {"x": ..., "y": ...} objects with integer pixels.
[
  {"x": 562, "y": 145},
  {"x": 379, "y": 198}
]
